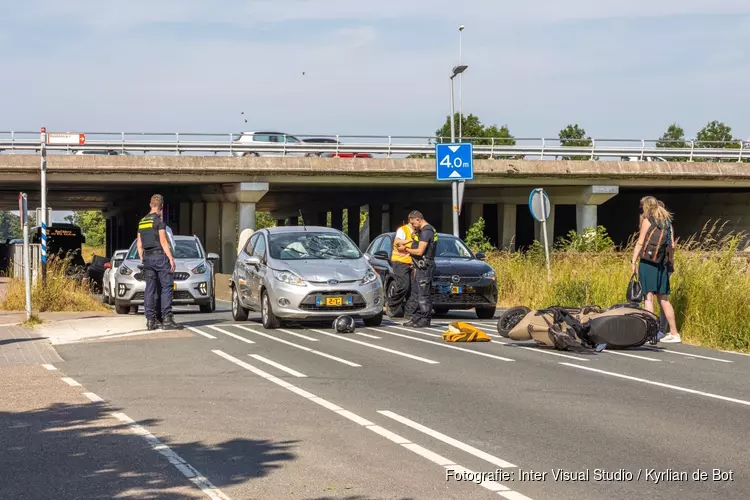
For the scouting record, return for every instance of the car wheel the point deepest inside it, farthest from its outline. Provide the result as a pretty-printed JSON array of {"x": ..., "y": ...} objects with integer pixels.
[
  {"x": 270, "y": 321},
  {"x": 485, "y": 312},
  {"x": 122, "y": 309},
  {"x": 373, "y": 320},
  {"x": 510, "y": 319},
  {"x": 239, "y": 313}
]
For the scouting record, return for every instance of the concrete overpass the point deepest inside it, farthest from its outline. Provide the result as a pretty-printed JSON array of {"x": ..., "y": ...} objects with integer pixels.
[{"x": 213, "y": 196}]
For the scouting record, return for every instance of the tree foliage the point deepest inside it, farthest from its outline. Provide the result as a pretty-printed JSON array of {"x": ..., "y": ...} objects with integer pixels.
[
  {"x": 575, "y": 136},
  {"x": 92, "y": 224},
  {"x": 264, "y": 220},
  {"x": 674, "y": 137},
  {"x": 474, "y": 131},
  {"x": 716, "y": 134},
  {"x": 10, "y": 226},
  {"x": 476, "y": 239}
]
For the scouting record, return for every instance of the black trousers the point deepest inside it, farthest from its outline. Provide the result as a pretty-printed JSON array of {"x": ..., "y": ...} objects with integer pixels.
[
  {"x": 158, "y": 274},
  {"x": 402, "y": 285},
  {"x": 422, "y": 288}
]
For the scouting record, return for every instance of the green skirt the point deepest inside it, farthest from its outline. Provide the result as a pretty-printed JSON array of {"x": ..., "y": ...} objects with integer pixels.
[{"x": 654, "y": 278}]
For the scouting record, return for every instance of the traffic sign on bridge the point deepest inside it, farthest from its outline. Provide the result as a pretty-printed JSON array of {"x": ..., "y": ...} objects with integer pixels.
[
  {"x": 455, "y": 162},
  {"x": 54, "y": 138}
]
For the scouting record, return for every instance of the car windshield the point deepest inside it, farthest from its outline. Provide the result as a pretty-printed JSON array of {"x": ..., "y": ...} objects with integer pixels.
[
  {"x": 185, "y": 249},
  {"x": 312, "y": 245},
  {"x": 450, "y": 247}
]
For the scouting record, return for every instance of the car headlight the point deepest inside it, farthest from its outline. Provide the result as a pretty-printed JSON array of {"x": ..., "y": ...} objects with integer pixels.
[
  {"x": 489, "y": 274},
  {"x": 200, "y": 269},
  {"x": 289, "y": 278},
  {"x": 370, "y": 276},
  {"x": 125, "y": 270}
]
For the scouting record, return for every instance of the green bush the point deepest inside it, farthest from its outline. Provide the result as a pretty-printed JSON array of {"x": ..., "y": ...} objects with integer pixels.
[{"x": 475, "y": 238}]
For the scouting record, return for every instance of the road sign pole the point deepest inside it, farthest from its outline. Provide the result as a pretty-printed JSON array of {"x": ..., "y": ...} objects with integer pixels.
[
  {"x": 44, "y": 220},
  {"x": 454, "y": 184},
  {"x": 546, "y": 243},
  {"x": 23, "y": 212}
]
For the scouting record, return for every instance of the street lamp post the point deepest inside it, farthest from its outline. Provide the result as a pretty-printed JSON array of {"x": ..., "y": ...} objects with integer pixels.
[
  {"x": 460, "y": 86},
  {"x": 457, "y": 70}
]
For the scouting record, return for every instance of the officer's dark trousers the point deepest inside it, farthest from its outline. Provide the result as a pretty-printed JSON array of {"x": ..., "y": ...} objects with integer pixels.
[
  {"x": 421, "y": 286},
  {"x": 158, "y": 273},
  {"x": 402, "y": 285}
]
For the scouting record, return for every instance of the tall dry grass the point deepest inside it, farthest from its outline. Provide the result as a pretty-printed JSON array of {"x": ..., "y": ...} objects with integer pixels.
[
  {"x": 61, "y": 293},
  {"x": 710, "y": 285}
]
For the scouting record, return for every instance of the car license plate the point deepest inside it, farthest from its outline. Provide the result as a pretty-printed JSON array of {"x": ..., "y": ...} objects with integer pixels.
[
  {"x": 174, "y": 286},
  {"x": 456, "y": 290},
  {"x": 334, "y": 301}
]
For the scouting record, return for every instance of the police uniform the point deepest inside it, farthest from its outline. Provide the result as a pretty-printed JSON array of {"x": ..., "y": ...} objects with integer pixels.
[
  {"x": 401, "y": 263},
  {"x": 424, "y": 270},
  {"x": 157, "y": 272}
]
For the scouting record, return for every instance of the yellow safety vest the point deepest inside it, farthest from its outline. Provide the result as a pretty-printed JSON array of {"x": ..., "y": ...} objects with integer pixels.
[{"x": 397, "y": 256}]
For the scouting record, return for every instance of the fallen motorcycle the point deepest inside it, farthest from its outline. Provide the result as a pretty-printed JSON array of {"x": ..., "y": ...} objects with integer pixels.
[{"x": 621, "y": 326}]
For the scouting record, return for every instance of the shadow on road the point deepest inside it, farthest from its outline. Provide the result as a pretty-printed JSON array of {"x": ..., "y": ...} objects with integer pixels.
[
  {"x": 82, "y": 451},
  {"x": 13, "y": 341},
  {"x": 355, "y": 497}
]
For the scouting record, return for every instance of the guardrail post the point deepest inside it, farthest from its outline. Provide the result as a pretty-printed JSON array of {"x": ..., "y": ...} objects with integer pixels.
[
  {"x": 177, "y": 144},
  {"x": 492, "y": 149},
  {"x": 390, "y": 142},
  {"x": 742, "y": 145},
  {"x": 692, "y": 149},
  {"x": 337, "y": 144},
  {"x": 122, "y": 142},
  {"x": 593, "y": 148},
  {"x": 231, "y": 142},
  {"x": 643, "y": 148},
  {"x": 544, "y": 144},
  {"x": 12, "y": 142}
]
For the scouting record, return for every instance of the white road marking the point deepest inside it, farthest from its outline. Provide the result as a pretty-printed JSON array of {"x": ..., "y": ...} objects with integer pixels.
[
  {"x": 413, "y": 447},
  {"x": 234, "y": 335},
  {"x": 380, "y": 348},
  {"x": 630, "y": 355},
  {"x": 93, "y": 397},
  {"x": 367, "y": 335},
  {"x": 299, "y": 346},
  {"x": 449, "y": 440},
  {"x": 478, "y": 353},
  {"x": 735, "y": 352},
  {"x": 49, "y": 367},
  {"x": 201, "y": 333},
  {"x": 70, "y": 382},
  {"x": 697, "y": 356},
  {"x": 660, "y": 384},
  {"x": 299, "y": 335},
  {"x": 277, "y": 365}
]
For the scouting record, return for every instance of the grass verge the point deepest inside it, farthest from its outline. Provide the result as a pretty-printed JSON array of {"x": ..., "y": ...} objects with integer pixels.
[
  {"x": 710, "y": 285},
  {"x": 62, "y": 293},
  {"x": 88, "y": 252}
]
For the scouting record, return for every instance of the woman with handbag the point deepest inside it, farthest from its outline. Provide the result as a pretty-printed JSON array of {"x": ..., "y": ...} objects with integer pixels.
[{"x": 655, "y": 250}]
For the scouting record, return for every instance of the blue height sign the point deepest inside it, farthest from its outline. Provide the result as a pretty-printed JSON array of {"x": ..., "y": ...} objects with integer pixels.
[{"x": 455, "y": 162}]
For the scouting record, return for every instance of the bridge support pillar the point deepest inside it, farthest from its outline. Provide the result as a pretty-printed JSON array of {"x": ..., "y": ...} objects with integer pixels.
[
  {"x": 337, "y": 219},
  {"x": 375, "y": 215},
  {"x": 446, "y": 225},
  {"x": 585, "y": 217},
  {"x": 385, "y": 227},
  {"x": 293, "y": 221},
  {"x": 322, "y": 219},
  {"x": 183, "y": 225},
  {"x": 108, "y": 236},
  {"x": 228, "y": 237},
  {"x": 353, "y": 223},
  {"x": 246, "y": 216},
  {"x": 198, "y": 221},
  {"x": 506, "y": 221},
  {"x": 212, "y": 228}
]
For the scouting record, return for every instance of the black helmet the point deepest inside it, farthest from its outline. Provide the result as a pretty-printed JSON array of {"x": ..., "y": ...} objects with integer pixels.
[{"x": 344, "y": 324}]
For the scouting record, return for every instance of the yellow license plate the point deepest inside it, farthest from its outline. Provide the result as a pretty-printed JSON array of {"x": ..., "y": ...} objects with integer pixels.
[
  {"x": 174, "y": 286},
  {"x": 456, "y": 290},
  {"x": 334, "y": 301}
]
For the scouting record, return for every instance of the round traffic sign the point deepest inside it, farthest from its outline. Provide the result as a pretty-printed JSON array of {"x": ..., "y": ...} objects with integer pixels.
[{"x": 539, "y": 205}]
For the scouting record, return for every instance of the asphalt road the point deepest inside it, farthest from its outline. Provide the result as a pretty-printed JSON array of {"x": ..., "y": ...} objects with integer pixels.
[{"x": 303, "y": 413}]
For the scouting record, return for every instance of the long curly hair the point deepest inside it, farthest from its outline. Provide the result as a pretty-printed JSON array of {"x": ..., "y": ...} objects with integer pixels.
[{"x": 651, "y": 207}]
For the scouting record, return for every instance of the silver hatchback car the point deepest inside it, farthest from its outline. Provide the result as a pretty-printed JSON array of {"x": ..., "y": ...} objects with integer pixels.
[
  {"x": 194, "y": 277},
  {"x": 304, "y": 273}
]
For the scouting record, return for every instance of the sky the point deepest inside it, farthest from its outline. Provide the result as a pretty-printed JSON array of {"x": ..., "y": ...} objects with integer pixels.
[{"x": 622, "y": 69}]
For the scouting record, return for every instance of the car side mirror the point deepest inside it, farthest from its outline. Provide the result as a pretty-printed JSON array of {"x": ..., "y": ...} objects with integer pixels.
[
  {"x": 381, "y": 254},
  {"x": 252, "y": 261},
  {"x": 481, "y": 256},
  {"x": 212, "y": 257}
]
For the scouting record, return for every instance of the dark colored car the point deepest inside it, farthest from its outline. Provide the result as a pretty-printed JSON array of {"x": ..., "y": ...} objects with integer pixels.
[
  {"x": 333, "y": 154},
  {"x": 462, "y": 280}
]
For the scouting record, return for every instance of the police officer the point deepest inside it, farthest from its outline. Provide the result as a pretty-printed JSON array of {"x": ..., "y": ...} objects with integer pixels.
[
  {"x": 158, "y": 265},
  {"x": 402, "y": 269},
  {"x": 423, "y": 258}
]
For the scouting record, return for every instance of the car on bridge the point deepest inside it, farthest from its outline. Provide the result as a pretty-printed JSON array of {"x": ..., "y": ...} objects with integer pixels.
[
  {"x": 267, "y": 139},
  {"x": 462, "y": 279},
  {"x": 333, "y": 154},
  {"x": 304, "y": 273},
  {"x": 194, "y": 277}
]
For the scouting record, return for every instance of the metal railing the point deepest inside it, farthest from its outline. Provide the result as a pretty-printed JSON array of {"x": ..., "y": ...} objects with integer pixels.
[
  {"x": 15, "y": 258},
  {"x": 388, "y": 146}
]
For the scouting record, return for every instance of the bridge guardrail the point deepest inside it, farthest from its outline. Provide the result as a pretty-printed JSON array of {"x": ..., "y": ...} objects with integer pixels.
[{"x": 389, "y": 146}]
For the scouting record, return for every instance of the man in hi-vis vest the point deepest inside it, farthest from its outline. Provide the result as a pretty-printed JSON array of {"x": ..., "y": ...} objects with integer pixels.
[{"x": 398, "y": 295}]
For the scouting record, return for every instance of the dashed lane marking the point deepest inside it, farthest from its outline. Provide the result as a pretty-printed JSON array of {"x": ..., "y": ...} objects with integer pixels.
[
  {"x": 70, "y": 382},
  {"x": 697, "y": 356},
  {"x": 304, "y": 348},
  {"x": 380, "y": 348},
  {"x": 93, "y": 397},
  {"x": 278, "y": 365},
  {"x": 478, "y": 353},
  {"x": 192, "y": 329},
  {"x": 299, "y": 335},
  {"x": 413, "y": 447},
  {"x": 233, "y": 335},
  {"x": 367, "y": 335},
  {"x": 630, "y": 355},
  {"x": 449, "y": 440},
  {"x": 49, "y": 367},
  {"x": 661, "y": 384}
]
